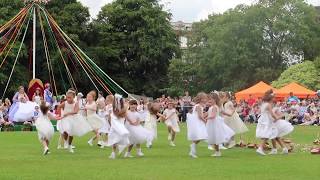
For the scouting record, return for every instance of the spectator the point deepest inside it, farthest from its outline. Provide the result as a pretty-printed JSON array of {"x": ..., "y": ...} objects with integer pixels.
[
  {"x": 186, "y": 104},
  {"x": 293, "y": 99},
  {"x": 251, "y": 101}
]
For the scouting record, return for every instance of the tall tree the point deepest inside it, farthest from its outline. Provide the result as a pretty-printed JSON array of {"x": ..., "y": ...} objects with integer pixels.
[
  {"x": 252, "y": 43},
  {"x": 135, "y": 43}
]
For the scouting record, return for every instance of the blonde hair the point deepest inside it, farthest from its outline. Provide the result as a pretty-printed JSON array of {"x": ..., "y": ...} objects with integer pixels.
[
  {"x": 154, "y": 108},
  {"x": 72, "y": 92},
  {"x": 110, "y": 98},
  {"x": 216, "y": 98},
  {"x": 199, "y": 97}
]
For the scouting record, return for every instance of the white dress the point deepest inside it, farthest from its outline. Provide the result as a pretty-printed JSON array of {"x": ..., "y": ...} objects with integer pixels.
[
  {"x": 173, "y": 121},
  {"x": 151, "y": 124},
  {"x": 105, "y": 116},
  {"x": 218, "y": 131},
  {"x": 265, "y": 127},
  {"x": 44, "y": 127},
  {"x": 234, "y": 122},
  {"x": 143, "y": 111},
  {"x": 138, "y": 134},
  {"x": 118, "y": 132},
  {"x": 25, "y": 111},
  {"x": 93, "y": 119},
  {"x": 37, "y": 99},
  {"x": 284, "y": 127},
  {"x": 82, "y": 104},
  {"x": 197, "y": 129},
  {"x": 73, "y": 125}
]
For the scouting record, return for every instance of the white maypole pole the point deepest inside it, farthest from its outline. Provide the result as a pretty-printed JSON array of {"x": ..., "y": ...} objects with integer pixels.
[{"x": 34, "y": 44}]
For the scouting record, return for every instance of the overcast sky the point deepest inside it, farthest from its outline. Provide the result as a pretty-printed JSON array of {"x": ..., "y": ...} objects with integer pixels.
[{"x": 185, "y": 10}]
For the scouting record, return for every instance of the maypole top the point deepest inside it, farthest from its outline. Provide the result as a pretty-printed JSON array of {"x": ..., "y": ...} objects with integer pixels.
[{"x": 37, "y": 1}]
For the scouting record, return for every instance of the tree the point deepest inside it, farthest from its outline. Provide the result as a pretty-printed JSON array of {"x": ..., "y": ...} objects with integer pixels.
[
  {"x": 248, "y": 44},
  {"x": 305, "y": 73},
  {"x": 134, "y": 42}
]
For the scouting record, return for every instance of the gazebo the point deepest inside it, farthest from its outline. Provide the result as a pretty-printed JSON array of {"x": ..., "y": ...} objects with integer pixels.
[
  {"x": 297, "y": 90},
  {"x": 256, "y": 91}
]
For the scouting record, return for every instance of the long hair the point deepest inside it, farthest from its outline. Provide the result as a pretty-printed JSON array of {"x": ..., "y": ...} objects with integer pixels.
[
  {"x": 216, "y": 98},
  {"x": 199, "y": 97},
  {"x": 44, "y": 108},
  {"x": 119, "y": 108},
  {"x": 268, "y": 96}
]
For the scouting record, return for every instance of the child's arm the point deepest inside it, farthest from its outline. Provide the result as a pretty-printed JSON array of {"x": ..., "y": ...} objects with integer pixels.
[
  {"x": 161, "y": 117},
  {"x": 214, "y": 113},
  {"x": 131, "y": 122},
  {"x": 170, "y": 115},
  {"x": 274, "y": 116},
  {"x": 53, "y": 117},
  {"x": 93, "y": 108},
  {"x": 75, "y": 110},
  {"x": 225, "y": 113},
  {"x": 200, "y": 114}
]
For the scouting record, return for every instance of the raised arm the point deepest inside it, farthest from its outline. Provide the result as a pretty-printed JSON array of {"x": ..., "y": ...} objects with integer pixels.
[{"x": 274, "y": 116}]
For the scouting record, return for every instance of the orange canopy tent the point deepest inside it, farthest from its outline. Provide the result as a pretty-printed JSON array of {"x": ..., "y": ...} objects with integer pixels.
[
  {"x": 256, "y": 91},
  {"x": 296, "y": 89}
]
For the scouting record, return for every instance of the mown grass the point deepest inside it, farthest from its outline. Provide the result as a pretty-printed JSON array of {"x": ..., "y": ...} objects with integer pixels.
[{"x": 21, "y": 158}]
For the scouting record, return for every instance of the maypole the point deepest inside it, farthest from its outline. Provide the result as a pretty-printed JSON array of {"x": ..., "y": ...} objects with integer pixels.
[
  {"x": 66, "y": 49},
  {"x": 34, "y": 44}
]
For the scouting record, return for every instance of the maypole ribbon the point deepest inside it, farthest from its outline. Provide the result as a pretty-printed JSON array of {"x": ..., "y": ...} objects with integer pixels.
[{"x": 15, "y": 62}]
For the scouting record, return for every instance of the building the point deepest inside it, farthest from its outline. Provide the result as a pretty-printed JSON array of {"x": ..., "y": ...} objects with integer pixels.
[{"x": 182, "y": 29}]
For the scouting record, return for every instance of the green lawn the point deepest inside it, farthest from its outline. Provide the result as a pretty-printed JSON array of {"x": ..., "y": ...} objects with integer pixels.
[{"x": 21, "y": 158}]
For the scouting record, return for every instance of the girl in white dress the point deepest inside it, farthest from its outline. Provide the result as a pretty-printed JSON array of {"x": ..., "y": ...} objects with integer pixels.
[
  {"x": 138, "y": 134},
  {"x": 72, "y": 124},
  {"x": 151, "y": 121},
  {"x": 37, "y": 98},
  {"x": 196, "y": 124},
  {"x": 44, "y": 127},
  {"x": 93, "y": 119},
  {"x": 232, "y": 119},
  {"x": 142, "y": 108},
  {"x": 106, "y": 115},
  {"x": 172, "y": 122},
  {"x": 266, "y": 129},
  {"x": 284, "y": 128},
  {"x": 218, "y": 131},
  {"x": 118, "y": 136}
]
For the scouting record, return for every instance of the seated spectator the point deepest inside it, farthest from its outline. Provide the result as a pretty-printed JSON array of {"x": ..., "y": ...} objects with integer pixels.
[
  {"x": 309, "y": 119},
  {"x": 293, "y": 99},
  {"x": 293, "y": 116}
]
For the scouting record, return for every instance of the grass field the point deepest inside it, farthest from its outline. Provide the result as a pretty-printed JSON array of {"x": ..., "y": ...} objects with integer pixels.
[{"x": 21, "y": 158}]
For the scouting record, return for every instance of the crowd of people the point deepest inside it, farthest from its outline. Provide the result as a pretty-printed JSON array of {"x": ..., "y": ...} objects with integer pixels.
[
  {"x": 125, "y": 123},
  {"x": 297, "y": 112}
]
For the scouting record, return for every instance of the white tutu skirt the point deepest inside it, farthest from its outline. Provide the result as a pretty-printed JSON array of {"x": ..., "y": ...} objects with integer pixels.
[
  {"x": 265, "y": 128},
  {"x": 236, "y": 124},
  {"x": 139, "y": 134},
  {"x": 74, "y": 125},
  {"x": 44, "y": 128},
  {"x": 118, "y": 134},
  {"x": 218, "y": 131},
  {"x": 173, "y": 123},
  {"x": 95, "y": 121},
  {"x": 284, "y": 127},
  {"x": 197, "y": 129},
  {"x": 105, "y": 123},
  {"x": 152, "y": 127},
  {"x": 25, "y": 112}
]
